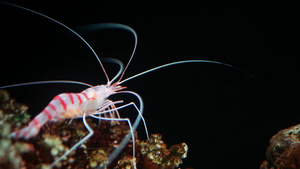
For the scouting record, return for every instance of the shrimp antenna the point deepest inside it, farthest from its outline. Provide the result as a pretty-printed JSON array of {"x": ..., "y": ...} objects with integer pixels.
[
  {"x": 46, "y": 82},
  {"x": 116, "y": 61},
  {"x": 63, "y": 25},
  {"x": 101, "y": 26},
  {"x": 181, "y": 62}
]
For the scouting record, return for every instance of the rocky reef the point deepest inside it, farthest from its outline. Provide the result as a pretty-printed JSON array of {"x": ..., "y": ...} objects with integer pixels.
[
  {"x": 55, "y": 138},
  {"x": 284, "y": 150}
]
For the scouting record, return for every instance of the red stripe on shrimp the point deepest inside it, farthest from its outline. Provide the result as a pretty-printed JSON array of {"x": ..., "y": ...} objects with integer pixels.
[
  {"x": 52, "y": 106},
  {"x": 63, "y": 103},
  {"x": 48, "y": 114},
  {"x": 71, "y": 98},
  {"x": 84, "y": 94},
  {"x": 36, "y": 122},
  {"x": 79, "y": 98}
]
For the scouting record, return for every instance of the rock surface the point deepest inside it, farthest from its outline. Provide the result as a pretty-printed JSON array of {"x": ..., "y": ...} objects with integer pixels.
[{"x": 284, "y": 150}]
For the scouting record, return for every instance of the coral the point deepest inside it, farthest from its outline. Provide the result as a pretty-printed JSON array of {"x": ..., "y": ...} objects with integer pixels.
[
  {"x": 55, "y": 138},
  {"x": 284, "y": 150},
  {"x": 12, "y": 112},
  {"x": 98, "y": 158},
  {"x": 156, "y": 152},
  {"x": 126, "y": 163},
  {"x": 12, "y": 115}
]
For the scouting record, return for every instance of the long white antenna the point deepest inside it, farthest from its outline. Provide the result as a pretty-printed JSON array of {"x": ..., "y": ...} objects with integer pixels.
[
  {"x": 46, "y": 82},
  {"x": 116, "y": 61},
  {"x": 98, "y": 26},
  {"x": 181, "y": 62}
]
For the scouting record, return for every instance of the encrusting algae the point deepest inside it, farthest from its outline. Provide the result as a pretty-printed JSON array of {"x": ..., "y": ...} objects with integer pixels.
[{"x": 55, "y": 138}]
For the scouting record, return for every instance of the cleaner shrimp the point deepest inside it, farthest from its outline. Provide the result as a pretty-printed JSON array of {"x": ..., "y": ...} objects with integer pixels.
[{"x": 94, "y": 101}]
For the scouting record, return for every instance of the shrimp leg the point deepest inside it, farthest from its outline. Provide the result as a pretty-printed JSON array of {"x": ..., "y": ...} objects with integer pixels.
[
  {"x": 128, "y": 136},
  {"x": 125, "y": 140},
  {"x": 77, "y": 144},
  {"x": 126, "y": 105}
]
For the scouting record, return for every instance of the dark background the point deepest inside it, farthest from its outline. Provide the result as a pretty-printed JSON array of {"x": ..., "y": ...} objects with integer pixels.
[{"x": 224, "y": 115}]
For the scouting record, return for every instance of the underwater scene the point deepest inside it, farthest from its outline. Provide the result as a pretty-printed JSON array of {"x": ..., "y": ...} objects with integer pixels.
[{"x": 149, "y": 85}]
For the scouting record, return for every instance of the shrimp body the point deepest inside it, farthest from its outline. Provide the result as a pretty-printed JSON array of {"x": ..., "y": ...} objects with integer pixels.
[{"x": 68, "y": 105}]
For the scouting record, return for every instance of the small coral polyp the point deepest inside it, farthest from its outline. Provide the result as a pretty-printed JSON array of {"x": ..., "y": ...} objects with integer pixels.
[
  {"x": 156, "y": 151},
  {"x": 55, "y": 138}
]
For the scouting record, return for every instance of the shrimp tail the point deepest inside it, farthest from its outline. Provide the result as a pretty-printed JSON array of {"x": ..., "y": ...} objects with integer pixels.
[
  {"x": 27, "y": 132},
  {"x": 32, "y": 129}
]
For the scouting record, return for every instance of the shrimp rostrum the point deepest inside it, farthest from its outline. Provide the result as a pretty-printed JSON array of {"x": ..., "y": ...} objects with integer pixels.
[{"x": 94, "y": 101}]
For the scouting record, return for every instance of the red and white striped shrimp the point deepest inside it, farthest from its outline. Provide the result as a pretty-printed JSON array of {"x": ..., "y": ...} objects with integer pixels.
[
  {"x": 93, "y": 101},
  {"x": 69, "y": 105}
]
